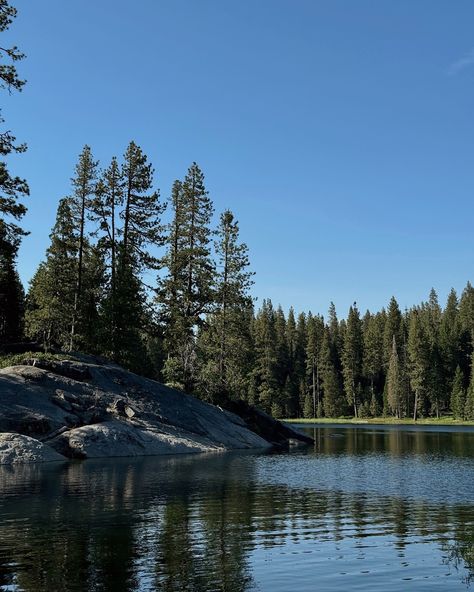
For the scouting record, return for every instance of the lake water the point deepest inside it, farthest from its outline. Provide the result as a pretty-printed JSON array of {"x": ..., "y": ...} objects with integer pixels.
[{"x": 368, "y": 508}]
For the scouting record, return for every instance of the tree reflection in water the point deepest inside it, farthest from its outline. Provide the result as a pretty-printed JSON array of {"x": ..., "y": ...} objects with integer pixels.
[{"x": 192, "y": 523}]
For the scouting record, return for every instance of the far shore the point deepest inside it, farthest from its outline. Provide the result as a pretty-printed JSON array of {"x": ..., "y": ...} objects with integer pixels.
[{"x": 442, "y": 421}]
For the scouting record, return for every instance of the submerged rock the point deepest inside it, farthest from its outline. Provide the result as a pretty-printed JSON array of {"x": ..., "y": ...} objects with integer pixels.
[
  {"x": 277, "y": 433},
  {"x": 91, "y": 409}
]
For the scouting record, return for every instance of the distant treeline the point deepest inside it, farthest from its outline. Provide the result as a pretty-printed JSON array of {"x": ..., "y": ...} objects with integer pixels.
[
  {"x": 171, "y": 300},
  {"x": 415, "y": 363}
]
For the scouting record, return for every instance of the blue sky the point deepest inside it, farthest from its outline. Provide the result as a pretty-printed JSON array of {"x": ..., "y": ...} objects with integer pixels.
[{"x": 340, "y": 133}]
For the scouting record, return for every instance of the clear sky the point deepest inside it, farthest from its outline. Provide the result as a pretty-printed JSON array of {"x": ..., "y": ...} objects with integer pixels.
[{"x": 341, "y": 133}]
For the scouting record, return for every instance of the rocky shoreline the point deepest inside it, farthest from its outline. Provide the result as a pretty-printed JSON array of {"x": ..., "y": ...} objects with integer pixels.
[{"x": 83, "y": 408}]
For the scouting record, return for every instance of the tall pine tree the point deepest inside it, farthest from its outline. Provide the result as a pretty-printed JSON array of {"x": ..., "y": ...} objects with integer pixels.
[
  {"x": 12, "y": 188},
  {"x": 11, "y": 293},
  {"x": 83, "y": 183},
  {"x": 51, "y": 296},
  {"x": 264, "y": 374},
  {"x": 458, "y": 395},
  {"x": 12, "y": 191},
  {"x": 352, "y": 359},
  {"x": 394, "y": 382},
  {"x": 418, "y": 355},
  {"x": 225, "y": 342},
  {"x": 104, "y": 212},
  {"x": 186, "y": 293}
]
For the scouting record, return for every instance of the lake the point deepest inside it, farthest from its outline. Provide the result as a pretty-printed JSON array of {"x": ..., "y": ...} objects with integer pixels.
[{"x": 367, "y": 508}]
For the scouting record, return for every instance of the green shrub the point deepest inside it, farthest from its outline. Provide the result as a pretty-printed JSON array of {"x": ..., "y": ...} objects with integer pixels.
[{"x": 19, "y": 359}]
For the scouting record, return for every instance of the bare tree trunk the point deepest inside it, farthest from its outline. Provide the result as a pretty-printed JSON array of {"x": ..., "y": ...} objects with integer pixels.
[
  {"x": 114, "y": 284},
  {"x": 126, "y": 224},
  {"x": 224, "y": 310},
  {"x": 318, "y": 394},
  {"x": 354, "y": 395},
  {"x": 78, "y": 291},
  {"x": 189, "y": 288}
]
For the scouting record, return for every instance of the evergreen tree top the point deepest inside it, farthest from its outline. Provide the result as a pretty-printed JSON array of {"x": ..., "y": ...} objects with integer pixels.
[
  {"x": 12, "y": 188},
  {"x": 8, "y": 74}
]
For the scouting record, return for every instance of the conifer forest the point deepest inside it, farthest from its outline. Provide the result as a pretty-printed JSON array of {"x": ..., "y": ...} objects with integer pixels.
[{"x": 163, "y": 286}]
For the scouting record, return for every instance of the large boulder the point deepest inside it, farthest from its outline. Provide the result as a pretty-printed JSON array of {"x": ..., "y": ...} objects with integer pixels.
[
  {"x": 116, "y": 438},
  {"x": 16, "y": 449}
]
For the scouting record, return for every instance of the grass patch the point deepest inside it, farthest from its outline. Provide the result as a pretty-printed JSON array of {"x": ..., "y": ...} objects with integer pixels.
[
  {"x": 19, "y": 359},
  {"x": 445, "y": 420}
]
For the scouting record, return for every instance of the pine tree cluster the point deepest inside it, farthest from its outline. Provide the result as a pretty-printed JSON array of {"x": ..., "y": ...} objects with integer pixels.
[
  {"x": 418, "y": 363},
  {"x": 169, "y": 300},
  {"x": 172, "y": 301}
]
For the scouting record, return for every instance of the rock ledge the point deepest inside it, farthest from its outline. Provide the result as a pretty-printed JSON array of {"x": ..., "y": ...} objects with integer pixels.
[{"x": 87, "y": 408}]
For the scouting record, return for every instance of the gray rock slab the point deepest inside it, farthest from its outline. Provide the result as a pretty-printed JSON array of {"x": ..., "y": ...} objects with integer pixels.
[
  {"x": 19, "y": 449},
  {"x": 113, "y": 413}
]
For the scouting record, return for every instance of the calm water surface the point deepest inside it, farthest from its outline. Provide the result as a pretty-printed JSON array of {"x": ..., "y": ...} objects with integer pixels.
[{"x": 368, "y": 508}]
